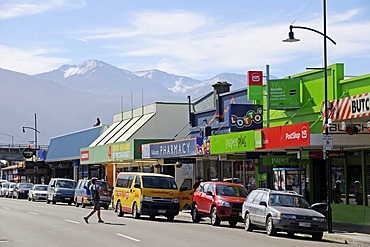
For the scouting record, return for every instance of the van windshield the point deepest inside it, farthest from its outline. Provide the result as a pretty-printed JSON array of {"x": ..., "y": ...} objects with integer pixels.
[
  {"x": 159, "y": 182},
  {"x": 66, "y": 184}
]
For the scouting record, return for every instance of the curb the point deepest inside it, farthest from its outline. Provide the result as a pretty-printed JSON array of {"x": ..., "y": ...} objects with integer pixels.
[{"x": 334, "y": 237}]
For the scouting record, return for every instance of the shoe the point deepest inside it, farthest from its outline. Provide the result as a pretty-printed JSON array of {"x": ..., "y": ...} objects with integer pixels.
[
  {"x": 86, "y": 220},
  {"x": 101, "y": 221}
]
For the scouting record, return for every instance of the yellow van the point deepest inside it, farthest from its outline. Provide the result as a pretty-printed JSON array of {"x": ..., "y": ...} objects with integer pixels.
[{"x": 150, "y": 194}]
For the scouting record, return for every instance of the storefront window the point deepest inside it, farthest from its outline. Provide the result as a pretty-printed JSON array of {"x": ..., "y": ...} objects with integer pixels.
[
  {"x": 354, "y": 177},
  {"x": 338, "y": 179},
  {"x": 367, "y": 171},
  {"x": 227, "y": 171}
]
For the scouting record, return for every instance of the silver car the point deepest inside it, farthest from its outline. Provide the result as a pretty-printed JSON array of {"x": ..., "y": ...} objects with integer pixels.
[
  {"x": 284, "y": 211},
  {"x": 38, "y": 192}
]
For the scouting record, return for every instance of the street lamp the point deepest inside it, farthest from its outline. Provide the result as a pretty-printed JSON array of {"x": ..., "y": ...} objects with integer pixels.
[
  {"x": 9, "y": 136},
  {"x": 326, "y": 105},
  {"x": 34, "y": 129}
]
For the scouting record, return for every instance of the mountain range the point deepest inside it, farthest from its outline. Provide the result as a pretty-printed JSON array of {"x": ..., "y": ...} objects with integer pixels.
[{"x": 70, "y": 98}]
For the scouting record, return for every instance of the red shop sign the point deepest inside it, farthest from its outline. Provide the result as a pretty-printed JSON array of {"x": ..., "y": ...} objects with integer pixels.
[
  {"x": 255, "y": 78},
  {"x": 294, "y": 135},
  {"x": 84, "y": 155}
]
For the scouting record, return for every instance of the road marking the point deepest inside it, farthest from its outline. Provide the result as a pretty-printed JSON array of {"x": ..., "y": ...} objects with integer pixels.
[
  {"x": 3, "y": 241},
  {"x": 5, "y": 208},
  {"x": 34, "y": 213},
  {"x": 133, "y": 239},
  {"x": 72, "y": 221}
]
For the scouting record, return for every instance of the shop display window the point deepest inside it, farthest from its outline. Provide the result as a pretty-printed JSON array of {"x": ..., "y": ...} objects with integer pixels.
[
  {"x": 354, "y": 170},
  {"x": 338, "y": 180}
]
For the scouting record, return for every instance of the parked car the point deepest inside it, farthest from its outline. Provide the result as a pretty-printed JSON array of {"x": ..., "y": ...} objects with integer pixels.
[
  {"x": 61, "y": 190},
  {"x": 38, "y": 192},
  {"x": 83, "y": 196},
  {"x": 221, "y": 201},
  {"x": 282, "y": 211},
  {"x": 4, "y": 187},
  {"x": 21, "y": 190},
  {"x": 10, "y": 189}
]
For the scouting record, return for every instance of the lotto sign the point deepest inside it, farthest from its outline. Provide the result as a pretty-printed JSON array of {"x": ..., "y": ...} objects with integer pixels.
[{"x": 245, "y": 117}]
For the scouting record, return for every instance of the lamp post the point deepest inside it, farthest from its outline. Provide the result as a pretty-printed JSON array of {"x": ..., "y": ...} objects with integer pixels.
[
  {"x": 36, "y": 131},
  {"x": 326, "y": 106},
  {"x": 9, "y": 136}
]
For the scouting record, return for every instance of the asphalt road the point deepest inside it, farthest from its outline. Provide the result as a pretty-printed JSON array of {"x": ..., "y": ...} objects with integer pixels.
[{"x": 31, "y": 224}]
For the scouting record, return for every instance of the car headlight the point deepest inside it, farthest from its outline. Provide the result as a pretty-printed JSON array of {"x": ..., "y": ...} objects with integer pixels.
[
  {"x": 176, "y": 200},
  {"x": 286, "y": 216},
  {"x": 224, "y": 204},
  {"x": 146, "y": 198},
  {"x": 319, "y": 219}
]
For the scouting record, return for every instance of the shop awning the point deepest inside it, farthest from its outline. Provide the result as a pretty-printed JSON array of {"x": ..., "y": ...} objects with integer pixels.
[{"x": 67, "y": 147}]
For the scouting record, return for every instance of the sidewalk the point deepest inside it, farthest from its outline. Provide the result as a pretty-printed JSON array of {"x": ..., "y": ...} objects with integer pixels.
[{"x": 339, "y": 235}]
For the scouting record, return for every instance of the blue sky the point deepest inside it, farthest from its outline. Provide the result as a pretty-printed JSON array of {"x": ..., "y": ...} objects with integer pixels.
[{"x": 196, "y": 38}]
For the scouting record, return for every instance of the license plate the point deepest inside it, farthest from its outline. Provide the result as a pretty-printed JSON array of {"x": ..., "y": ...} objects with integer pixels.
[
  {"x": 305, "y": 224},
  {"x": 161, "y": 211},
  {"x": 67, "y": 198}
]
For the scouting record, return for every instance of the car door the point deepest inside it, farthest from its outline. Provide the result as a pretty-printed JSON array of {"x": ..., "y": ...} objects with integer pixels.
[
  {"x": 261, "y": 209},
  {"x": 186, "y": 193},
  {"x": 201, "y": 197},
  {"x": 254, "y": 206},
  {"x": 208, "y": 198}
]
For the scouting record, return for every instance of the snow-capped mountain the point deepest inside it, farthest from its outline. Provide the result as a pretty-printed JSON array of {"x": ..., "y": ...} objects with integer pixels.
[{"x": 70, "y": 98}]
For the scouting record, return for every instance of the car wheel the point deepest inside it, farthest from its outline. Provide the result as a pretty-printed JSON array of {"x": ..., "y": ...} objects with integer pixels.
[
  {"x": 119, "y": 209},
  {"x": 248, "y": 226},
  {"x": 29, "y": 199},
  {"x": 47, "y": 201},
  {"x": 233, "y": 223},
  {"x": 33, "y": 198},
  {"x": 270, "y": 228},
  {"x": 135, "y": 211},
  {"x": 76, "y": 203},
  {"x": 215, "y": 221},
  {"x": 170, "y": 217},
  {"x": 195, "y": 217},
  {"x": 290, "y": 234},
  {"x": 106, "y": 207},
  {"x": 317, "y": 236}
]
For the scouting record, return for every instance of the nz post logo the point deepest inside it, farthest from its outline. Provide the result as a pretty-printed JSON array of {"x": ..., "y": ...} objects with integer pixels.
[{"x": 245, "y": 117}]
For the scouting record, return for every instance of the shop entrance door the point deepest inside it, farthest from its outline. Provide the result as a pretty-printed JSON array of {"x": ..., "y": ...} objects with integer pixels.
[
  {"x": 290, "y": 179},
  {"x": 319, "y": 180}
]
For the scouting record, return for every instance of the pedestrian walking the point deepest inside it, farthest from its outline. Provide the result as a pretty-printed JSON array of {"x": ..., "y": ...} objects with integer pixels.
[{"x": 95, "y": 190}]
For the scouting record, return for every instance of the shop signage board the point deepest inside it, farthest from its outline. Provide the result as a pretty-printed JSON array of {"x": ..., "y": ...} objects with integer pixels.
[
  {"x": 349, "y": 108},
  {"x": 283, "y": 160},
  {"x": 254, "y": 82},
  {"x": 244, "y": 117},
  {"x": 284, "y": 93},
  {"x": 170, "y": 149},
  {"x": 203, "y": 145},
  {"x": 232, "y": 142},
  {"x": 293, "y": 135}
]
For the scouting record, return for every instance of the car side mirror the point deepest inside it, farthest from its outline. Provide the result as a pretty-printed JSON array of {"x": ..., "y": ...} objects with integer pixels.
[
  {"x": 137, "y": 186},
  {"x": 209, "y": 193},
  {"x": 263, "y": 203}
]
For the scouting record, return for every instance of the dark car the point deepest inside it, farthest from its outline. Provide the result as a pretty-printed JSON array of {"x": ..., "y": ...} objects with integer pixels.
[
  {"x": 82, "y": 194},
  {"x": 284, "y": 211},
  {"x": 61, "y": 190},
  {"x": 21, "y": 190},
  {"x": 221, "y": 201}
]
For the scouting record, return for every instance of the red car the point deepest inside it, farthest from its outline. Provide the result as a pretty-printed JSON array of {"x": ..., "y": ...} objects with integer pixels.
[{"x": 221, "y": 201}]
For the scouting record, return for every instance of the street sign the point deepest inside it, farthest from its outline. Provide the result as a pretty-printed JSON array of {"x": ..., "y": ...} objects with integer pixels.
[
  {"x": 328, "y": 142},
  {"x": 27, "y": 153}
]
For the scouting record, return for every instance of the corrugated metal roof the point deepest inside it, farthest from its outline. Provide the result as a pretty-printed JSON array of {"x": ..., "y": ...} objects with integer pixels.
[{"x": 67, "y": 147}]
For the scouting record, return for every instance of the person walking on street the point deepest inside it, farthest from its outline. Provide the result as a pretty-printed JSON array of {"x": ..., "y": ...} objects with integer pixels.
[{"x": 95, "y": 190}]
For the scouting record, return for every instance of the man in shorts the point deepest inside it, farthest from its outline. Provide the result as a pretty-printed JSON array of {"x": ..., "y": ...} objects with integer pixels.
[{"x": 95, "y": 198}]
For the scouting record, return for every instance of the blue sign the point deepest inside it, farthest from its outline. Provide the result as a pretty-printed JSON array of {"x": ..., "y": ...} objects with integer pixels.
[
  {"x": 203, "y": 145},
  {"x": 244, "y": 117},
  {"x": 171, "y": 149}
]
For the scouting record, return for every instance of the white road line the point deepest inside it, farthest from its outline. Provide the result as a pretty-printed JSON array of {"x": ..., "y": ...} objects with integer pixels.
[
  {"x": 5, "y": 208},
  {"x": 34, "y": 213},
  {"x": 72, "y": 221},
  {"x": 133, "y": 239}
]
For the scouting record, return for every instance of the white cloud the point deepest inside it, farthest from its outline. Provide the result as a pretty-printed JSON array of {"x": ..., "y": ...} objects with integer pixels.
[
  {"x": 29, "y": 61},
  {"x": 29, "y": 7}
]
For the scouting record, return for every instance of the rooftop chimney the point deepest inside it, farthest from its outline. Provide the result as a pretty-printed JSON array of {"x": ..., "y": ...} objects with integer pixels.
[{"x": 221, "y": 87}]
